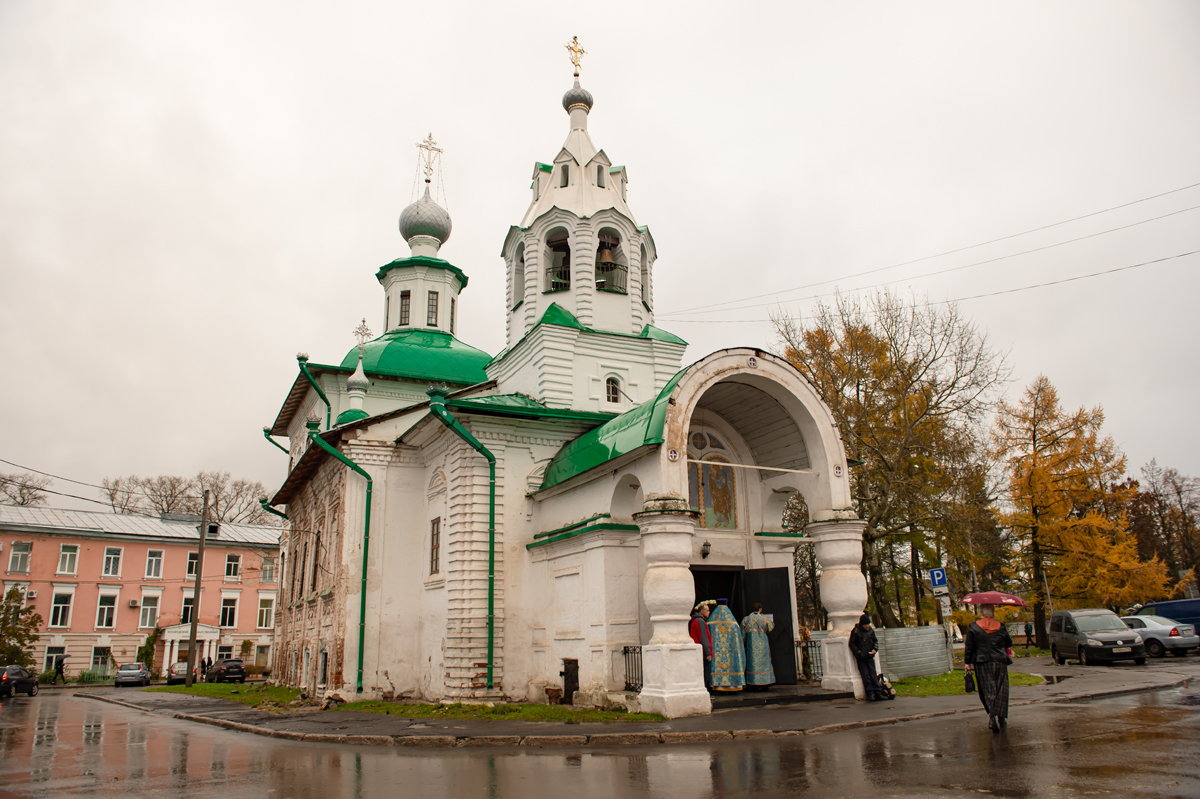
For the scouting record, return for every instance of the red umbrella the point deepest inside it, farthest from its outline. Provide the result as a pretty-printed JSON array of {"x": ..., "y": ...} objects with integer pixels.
[{"x": 993, "y": 598}]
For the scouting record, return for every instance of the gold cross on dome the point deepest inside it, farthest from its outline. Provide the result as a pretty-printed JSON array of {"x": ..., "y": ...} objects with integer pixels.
[
  {"x": 363, "y": 334},
  {"x": 430, "y": 151},
  {"x": 576, "y": 52}
]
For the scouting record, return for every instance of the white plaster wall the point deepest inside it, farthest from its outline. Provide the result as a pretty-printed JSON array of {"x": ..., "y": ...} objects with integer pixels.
[{"x": 419, "y": 280}]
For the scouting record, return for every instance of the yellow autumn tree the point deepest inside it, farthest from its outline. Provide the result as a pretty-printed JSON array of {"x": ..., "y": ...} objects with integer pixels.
[{"x": 1066, "y": 507}]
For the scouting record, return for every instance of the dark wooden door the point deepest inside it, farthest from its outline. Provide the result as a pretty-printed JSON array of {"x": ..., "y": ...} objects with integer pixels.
[{"x": 770, "y": 587}]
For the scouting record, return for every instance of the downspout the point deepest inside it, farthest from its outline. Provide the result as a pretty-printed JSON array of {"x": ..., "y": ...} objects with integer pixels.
[
  {"x": 437, "y": 406},
  {"x": 265, "y": 506},
  {"x": 315, "y": 438},
  {"x": 302, "y": 359},
  {"x": 267, "y": 436}
]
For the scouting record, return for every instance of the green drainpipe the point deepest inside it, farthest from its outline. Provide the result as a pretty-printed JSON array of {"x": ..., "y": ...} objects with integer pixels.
[
  {"x": 267, "y": 436},
  {"x": 267, "y": 507},
  {"x": 302, "y": 359},
  {"x": 315, "y": 438},
  {"x": 437, "y": 406}
]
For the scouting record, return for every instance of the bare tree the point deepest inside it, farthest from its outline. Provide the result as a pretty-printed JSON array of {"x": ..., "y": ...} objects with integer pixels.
[
  {"x": 122, "y": 493},
  {"x": 233, "y": 501},
  {"x": 23, "y": 488}
]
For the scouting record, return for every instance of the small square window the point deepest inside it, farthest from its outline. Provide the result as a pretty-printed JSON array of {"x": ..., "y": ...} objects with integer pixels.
[
  {"x": 67, "y": 556},
  {"x": 18, "y": 559}
]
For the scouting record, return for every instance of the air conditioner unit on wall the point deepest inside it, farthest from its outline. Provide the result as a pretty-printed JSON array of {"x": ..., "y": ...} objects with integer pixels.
[
  {"x": 133, "y": 603},
  {"x": 31, "y": 594}
]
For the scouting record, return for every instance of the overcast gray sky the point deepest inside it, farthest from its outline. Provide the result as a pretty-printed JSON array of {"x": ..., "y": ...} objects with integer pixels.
[{"x": 192, "y": 193}]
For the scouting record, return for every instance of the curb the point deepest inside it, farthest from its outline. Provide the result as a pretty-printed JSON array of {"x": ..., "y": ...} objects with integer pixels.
[{"x": 612, "y": 739}]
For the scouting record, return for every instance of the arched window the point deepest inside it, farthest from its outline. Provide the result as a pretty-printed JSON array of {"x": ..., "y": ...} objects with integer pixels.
[
  {"x": 610, "y": 272},
  {"x": 558, "y": 261},
  {"x": 518, "y": 287},
  {"x": 712, "y": 487},
  {"x": 565, "y": 179},
  {"x": 645, "y": 278},
  {"x": 600, "y": 175},
  {"x": 612, "y": 390}
]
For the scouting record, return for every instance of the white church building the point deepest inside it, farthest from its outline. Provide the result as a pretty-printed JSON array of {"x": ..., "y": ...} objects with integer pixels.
[{"x": 463, "y": 526}]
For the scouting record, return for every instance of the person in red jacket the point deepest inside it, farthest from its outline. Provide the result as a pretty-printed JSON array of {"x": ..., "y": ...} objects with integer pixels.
[{"x": 698, "y": 628}]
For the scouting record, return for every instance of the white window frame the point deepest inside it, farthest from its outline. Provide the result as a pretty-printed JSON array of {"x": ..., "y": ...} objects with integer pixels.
[
  {"x": 270, "y": 611},
  {"x": 183, "y": 606},
  {"x": 192, "y": 564},
  {"x": 269, "y": 568},
  {"x": 68, "y": 558},
  {"x": 60, "y": 589},
  {"x": 142, "y": 621},
  {"x": 162, "y": 556},
  {"x": 235, "y": 560},
  {"x": 109, "y": 553},
  {"x": 221, "y": 621},
  {"x": 13, "y": 555},
  {"x": 115, "y": 596}
]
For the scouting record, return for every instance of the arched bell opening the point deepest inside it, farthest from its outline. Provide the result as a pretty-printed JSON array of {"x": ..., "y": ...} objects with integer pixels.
[
  {"x": 558, "y": 261},
  {"x": 627, "y": 499},
  {"x": 518, "y": 279},
  {"x": 612, "y": 267}
]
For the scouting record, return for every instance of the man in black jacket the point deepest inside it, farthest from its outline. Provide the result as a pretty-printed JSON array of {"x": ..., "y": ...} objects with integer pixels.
[{"x": 863, "y": 646}]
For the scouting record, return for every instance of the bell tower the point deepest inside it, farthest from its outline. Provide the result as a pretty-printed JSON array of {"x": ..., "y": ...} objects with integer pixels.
[{"x": 579, "y": 260}]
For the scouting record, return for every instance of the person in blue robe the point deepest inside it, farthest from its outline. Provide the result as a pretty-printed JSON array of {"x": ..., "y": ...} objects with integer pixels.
[
  {"x": 755, "y": 627},
  {"x": 729, "y": 655}
]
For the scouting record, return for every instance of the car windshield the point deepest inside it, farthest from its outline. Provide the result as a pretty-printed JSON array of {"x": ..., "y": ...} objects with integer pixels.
[{"x": 1092, "y": 624}]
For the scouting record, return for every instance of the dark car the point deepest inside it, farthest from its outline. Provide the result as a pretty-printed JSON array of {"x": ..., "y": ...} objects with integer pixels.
[
  {"x": 132, "y": 674},
  {"x": 230, "y": 670},
  {"x": 1093, "y": 636},
  {"x": 14, "y": 679}
]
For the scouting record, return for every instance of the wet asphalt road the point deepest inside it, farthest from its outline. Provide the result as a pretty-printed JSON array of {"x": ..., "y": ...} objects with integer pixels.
[{"x": 1140, "y": 745}]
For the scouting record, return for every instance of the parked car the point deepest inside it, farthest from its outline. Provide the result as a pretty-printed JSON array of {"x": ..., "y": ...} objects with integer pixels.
[
  {"x": 14, "y": 679},
  {"x": 1184, "y": 611},
  {"x": 132, "y": 674},
  {"x": 177, "y": 674},
  {"x": 229, "y": 670},
  {"x": 1093, "y": 635},
  {"x": 1161, "y": 635}
]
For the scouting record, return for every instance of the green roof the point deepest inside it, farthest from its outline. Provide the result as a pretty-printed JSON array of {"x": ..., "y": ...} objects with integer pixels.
[
  {"x": 544, "y": 167},
  {"x": 658, "y": 334},
  {"x": 523, "y": 407},
  {"x": 558, "y": 315},
  {"x": 350, "y": 415},
  {"x": 422, "y": 260},
  {"x": 639, "y": 427},
  {"x": 421, "y": 355}
]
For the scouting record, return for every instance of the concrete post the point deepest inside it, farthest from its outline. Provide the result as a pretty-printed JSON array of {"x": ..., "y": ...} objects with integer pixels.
[
  {"x": 838, "y": 547},
  {"x": 672, "y": 665}
]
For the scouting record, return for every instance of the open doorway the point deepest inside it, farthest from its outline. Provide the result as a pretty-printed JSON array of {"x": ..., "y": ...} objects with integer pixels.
[{"x": 742, "y": 587}]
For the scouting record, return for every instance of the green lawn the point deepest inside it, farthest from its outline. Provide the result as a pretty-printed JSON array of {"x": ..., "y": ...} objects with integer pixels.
[
  {"x": 500, "y": 712},
  {"x": 253, "y": 695},
  {"x": 952, "y": 683}
]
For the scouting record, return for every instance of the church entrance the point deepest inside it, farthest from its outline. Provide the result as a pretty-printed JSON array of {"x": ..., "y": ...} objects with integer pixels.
[{"x": 743, "y": 587}]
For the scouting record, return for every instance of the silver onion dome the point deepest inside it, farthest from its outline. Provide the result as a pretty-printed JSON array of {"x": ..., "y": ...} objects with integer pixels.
[
  {"x": 359, "y": 380},
  {"x": 425, "y": 218},
  {"x": 577, "y": 95}
]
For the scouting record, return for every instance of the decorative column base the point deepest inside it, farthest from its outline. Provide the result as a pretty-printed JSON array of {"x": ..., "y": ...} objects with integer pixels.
[
  {"x": 673, "y": 681},
  {"x": 840, "y": 668}
]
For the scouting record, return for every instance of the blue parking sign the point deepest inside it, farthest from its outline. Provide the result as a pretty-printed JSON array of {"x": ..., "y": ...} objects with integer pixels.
[{"x": 937, "y": 577}]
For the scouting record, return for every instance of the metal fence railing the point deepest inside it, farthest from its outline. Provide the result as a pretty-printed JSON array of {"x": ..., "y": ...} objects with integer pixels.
[
  {"x": 633, "y": 668},
  {"x": 810, "y": 662}
]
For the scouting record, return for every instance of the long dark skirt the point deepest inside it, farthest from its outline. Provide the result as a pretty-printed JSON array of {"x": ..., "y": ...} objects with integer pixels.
[{"x": 993, "y": 688}]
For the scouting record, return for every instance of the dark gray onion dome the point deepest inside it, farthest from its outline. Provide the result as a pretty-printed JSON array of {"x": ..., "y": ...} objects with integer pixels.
[
  {"x": 577, "y": 95},
  {"x": 425, "y": 218}
]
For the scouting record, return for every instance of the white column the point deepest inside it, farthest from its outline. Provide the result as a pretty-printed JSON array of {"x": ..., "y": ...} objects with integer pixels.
[
  {"x": 672, "y": 665},
  {"x": 838, "y": 547}
]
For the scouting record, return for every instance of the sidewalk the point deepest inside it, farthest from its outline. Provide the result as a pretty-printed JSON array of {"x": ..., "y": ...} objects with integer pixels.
[{"x": 809, "y": 718}]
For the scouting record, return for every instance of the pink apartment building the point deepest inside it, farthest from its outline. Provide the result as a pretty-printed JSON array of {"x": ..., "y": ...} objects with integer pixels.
[{"x": 103, "y": 582}]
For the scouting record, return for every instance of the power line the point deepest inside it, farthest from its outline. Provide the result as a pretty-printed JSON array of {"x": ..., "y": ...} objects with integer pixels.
[
  {"x": 977, "y": 296},
  {"x": 947, "y": 252}
]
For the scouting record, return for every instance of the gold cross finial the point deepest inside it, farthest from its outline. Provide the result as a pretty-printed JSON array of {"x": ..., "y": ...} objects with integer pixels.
[
  {"x": 576, "y": 52},
  {"x": 430, "y": 152},
  {"x": 363, "y": 334}
]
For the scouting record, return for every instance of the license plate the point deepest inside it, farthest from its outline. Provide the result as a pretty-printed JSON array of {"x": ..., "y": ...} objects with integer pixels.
[{"x": 1118, "y": 650}]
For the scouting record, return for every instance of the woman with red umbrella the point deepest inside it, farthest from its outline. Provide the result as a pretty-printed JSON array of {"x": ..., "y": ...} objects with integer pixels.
[{"x": 986, "y": 654}]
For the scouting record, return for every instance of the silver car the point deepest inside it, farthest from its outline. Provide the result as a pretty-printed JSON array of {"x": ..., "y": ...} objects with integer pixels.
[
  {"x": 132, "y": 674},
  {"x": 1163, "y": 635}
]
